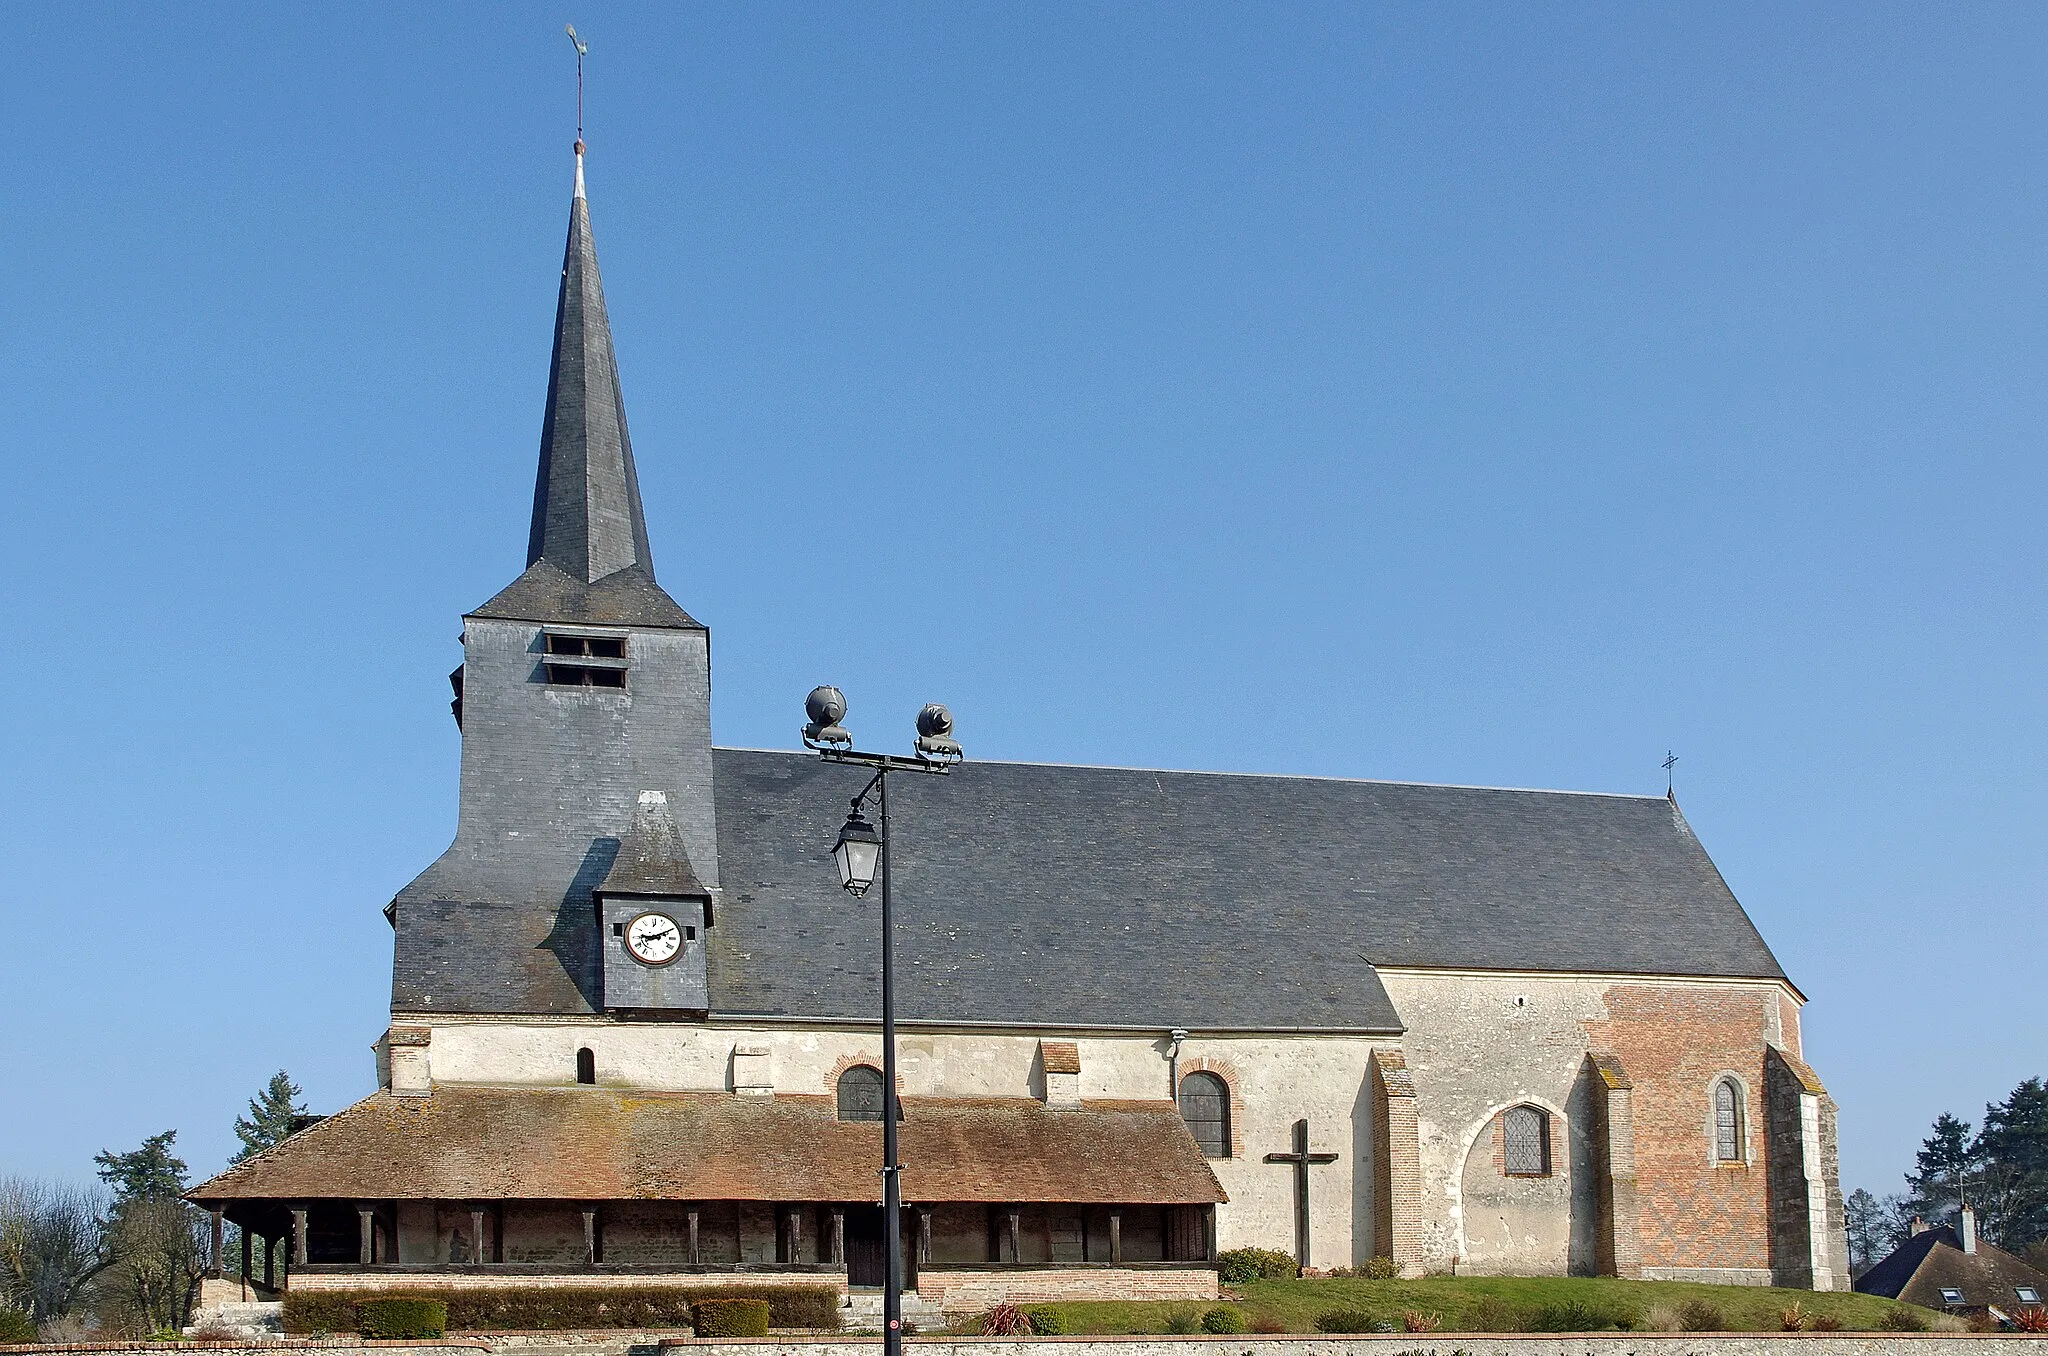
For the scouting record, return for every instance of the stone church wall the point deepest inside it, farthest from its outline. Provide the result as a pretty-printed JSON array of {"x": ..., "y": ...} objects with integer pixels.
[{"x": 1478, "y": 1045}]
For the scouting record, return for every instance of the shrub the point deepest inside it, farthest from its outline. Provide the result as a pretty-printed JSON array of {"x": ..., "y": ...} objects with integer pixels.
[
  {"x": 1046, "y": 1320},
  {"x": 1267, "y": 1324},
  {"x": 1795, "y": 1318},
  {"x": 1240, "y": 1265},
  {"x": 1494, "y": 1314},
  {"x": 525, "y": 1308},
  {"x": 1414, "y": 1320},
  {"x": 1183, "y": 1320},
  {"x": 16, "y": 1327},
  {"x": 1005, "y": 1320},
  {"x": 1574, "y": 1316},
  {"x": 1346, "y": 1320},
  {"x": 1899, "y": 1318},
  {"x": 2032, "y": 1318},
  {"x": 391, "y": 1317},
  {"x": 1626, "y": 1318},
  {"x": 1224, "y": 1318},
  {"x": 1380, "y": 1269},
  {"x": 1700, "y": 1316},
  {"x": 1825, "y": 1323},
  {"x": 731, "y": 1317}
]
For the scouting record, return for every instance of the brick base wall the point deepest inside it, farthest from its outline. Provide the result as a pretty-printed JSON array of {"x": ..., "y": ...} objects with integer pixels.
[
  {"x": 967, "y": 1291},
  {"x": 485, "y": 1279}
]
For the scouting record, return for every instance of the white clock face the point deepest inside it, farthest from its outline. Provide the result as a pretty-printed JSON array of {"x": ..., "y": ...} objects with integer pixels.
[{"x": 654, "y": 938}]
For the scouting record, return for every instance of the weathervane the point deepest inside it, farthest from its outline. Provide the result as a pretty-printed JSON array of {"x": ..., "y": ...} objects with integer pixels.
[
  {"x": 1670, "y": 781},
  {"x": 582, "y": 51}
]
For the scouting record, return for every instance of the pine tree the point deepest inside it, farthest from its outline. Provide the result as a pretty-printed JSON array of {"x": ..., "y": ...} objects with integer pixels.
[
  {"x": 271, "y": 1115},
  {"x": 150, "y": 1173},
  {"x": 2013, "y": 1150},
  {"x": 1942, "y": 1170}
]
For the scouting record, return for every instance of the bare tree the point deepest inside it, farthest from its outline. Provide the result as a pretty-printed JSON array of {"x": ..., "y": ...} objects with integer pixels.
[
  {"x": 162, "y": 1249},
  {"x": 53, "y": 1243}
]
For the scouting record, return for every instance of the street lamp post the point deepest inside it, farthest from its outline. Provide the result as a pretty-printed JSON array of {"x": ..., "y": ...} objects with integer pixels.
[{"x": 861, "y": 854}]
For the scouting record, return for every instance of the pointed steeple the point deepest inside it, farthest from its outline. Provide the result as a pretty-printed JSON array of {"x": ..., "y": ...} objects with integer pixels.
[{"x": 587, "y": 519}]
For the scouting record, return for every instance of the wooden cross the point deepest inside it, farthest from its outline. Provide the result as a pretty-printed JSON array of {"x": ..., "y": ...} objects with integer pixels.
[{"x": 1301, "y": 1158}]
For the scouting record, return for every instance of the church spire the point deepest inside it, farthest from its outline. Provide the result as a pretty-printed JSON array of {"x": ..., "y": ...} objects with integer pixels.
[{"x": 587, "y": 519}]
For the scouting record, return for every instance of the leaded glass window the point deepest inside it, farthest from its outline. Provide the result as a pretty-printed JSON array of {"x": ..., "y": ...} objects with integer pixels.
[
  {"x": 1205, "y": 1106},
  {"x": 860, "y": 1094},
  {"x": 1727, "y": 1122},
  {"x": 1525, "y": 1131}
]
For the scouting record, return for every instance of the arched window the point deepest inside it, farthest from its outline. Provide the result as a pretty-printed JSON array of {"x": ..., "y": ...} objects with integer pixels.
[
  {"x": 1727, "y": 1121},
  {"x": 1525, "y": 1139},
  {"x": 586, "y": 1066},
  {"x": 1205, "y": 1106},
  {"x": 860, "y": 1094}
]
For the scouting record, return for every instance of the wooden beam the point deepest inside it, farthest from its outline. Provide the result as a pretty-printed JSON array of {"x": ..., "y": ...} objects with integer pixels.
[
  {"x": 248, "y": 1258},
  {"x": 1015, "y": 1231},
  {"x": 478, "y": 1253},
  {"x": 220, "y": 1260},
  {"x": 838, "y": 1236},
  {"x": 696, "y": 1256},
  {"x": 299, "y": 1237},
  {"x": 590, "y": 1236},
  {"x": 366, "y": 1234},
  {"x": 1116, "y": 1235},
  {"x": 924, "y": 1235}
]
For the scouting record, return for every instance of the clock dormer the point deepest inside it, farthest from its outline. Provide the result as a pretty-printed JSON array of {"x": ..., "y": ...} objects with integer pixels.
[{"x": 654, "y": 918}]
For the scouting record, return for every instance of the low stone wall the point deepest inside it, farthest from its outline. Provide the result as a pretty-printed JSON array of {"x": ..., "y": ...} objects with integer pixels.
[
  {"x": 507, "y": 1277},
  {"x": 966, "y": 1290}
]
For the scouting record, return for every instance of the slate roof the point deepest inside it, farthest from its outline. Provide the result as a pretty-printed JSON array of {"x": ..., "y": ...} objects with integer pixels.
[
  {"x": 587, "y": 517},
  {"x": 1077, "y": 897},
  {"x": 585, "y": 1143},
  {"x": 1917, "y": 1270}
]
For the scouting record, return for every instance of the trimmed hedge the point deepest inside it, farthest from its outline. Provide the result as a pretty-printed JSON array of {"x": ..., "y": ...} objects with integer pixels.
[
  {"x": 1046, "y": 1320},
  {"x": 1224, "y": 1318},
  {"x": 732, "y": 1318},
  {"x": 539, "y": 1307},
  {"x": 1240, "y": 1266},
  {"x": 401, "y": 1316}
]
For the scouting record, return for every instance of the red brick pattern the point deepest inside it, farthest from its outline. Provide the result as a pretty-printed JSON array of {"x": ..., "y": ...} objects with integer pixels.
[
  {"x": 1675, "y": 1043},
  {"x": 1232, "y": 1081},
  {"x": 969, "y": 1291},
  {"x": 1397, "y": 1162}
]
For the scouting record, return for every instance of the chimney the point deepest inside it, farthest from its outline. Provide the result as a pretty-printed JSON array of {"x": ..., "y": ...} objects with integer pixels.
[
  {"x": 1966, "y": 1227},
  {"x": 1919, "y": 1226}
]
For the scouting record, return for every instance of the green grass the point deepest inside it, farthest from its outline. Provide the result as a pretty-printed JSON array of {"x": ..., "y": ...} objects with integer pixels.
[{"x": 1463, "y": 1301}]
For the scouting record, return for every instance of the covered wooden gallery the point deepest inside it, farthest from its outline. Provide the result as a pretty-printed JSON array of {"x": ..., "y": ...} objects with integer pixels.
[{"x": 583, "y": 1180}]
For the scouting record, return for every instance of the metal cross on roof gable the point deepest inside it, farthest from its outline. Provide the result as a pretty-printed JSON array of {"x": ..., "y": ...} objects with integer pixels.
[{"x": 1301, "y": 1158}]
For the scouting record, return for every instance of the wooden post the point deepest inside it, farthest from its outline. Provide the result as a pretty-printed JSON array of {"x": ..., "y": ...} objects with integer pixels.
[
  {"x": 924, "y": 1235},
  {"x": 248, "y": 1259},
  {"x": 299, "y": 1237},
  {"x": 1208, "y": 1233},
  {"x": 477, "y": 1251},
  {"x": 270, "y": 1263},
  {"x": 838, "y": 1237},
  {"x": 220, "y": 1259},
  {"x": 1014, "y": 1228},
  {"x": 796, "y": 1234},
  {"x": 1116, "y": 1235},
  {"x": 590, "y": 1253},
  {"x": 696, "y": 1257},
  {"x": 366, "y": 1234}
]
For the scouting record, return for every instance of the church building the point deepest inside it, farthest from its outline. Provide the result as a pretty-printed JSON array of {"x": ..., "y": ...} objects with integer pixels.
[{"x": 1144, "y": 1016}]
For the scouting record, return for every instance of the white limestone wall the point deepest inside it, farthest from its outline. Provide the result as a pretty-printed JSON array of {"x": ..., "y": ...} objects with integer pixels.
[{"x": 1274, "y": 1081}]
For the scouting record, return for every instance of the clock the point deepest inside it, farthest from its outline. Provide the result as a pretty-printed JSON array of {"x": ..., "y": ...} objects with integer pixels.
[{"x": 654, "y": 939}]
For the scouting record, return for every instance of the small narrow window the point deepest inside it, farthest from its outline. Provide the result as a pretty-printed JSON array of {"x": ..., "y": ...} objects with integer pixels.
[
  {"x": 1727, "y": 1121},
  {"x": 1205, "y": 1106},
  {"x": 1525, "y": 1136},
  {"x": 860, "y": 1094},
  {"x": 586, "y": 1066}
]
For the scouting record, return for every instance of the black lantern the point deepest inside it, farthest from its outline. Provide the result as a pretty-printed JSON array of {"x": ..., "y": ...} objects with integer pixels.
[{"x": 856, "y": 854}]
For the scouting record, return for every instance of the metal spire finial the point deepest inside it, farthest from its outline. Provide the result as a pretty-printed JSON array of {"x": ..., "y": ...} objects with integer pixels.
[
  {"x": 1670, "y": 781},
  {"x": 582, "y": 51}
]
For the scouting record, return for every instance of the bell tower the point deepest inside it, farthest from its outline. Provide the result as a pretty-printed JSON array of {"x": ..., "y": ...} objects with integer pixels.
[{"x": 584, "y": 699}]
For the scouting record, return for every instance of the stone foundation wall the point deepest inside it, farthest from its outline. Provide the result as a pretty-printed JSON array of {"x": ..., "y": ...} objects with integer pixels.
[
  {"x": 1393, "y": 1344},
  {"x": 969, "y": 1291}
]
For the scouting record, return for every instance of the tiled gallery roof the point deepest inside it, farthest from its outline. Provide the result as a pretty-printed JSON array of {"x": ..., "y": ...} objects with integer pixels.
[{"x": 584, "y": 1143}]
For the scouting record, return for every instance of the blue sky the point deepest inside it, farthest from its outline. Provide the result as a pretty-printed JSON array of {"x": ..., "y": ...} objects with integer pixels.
[{"x": 1492, "y": 394}]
